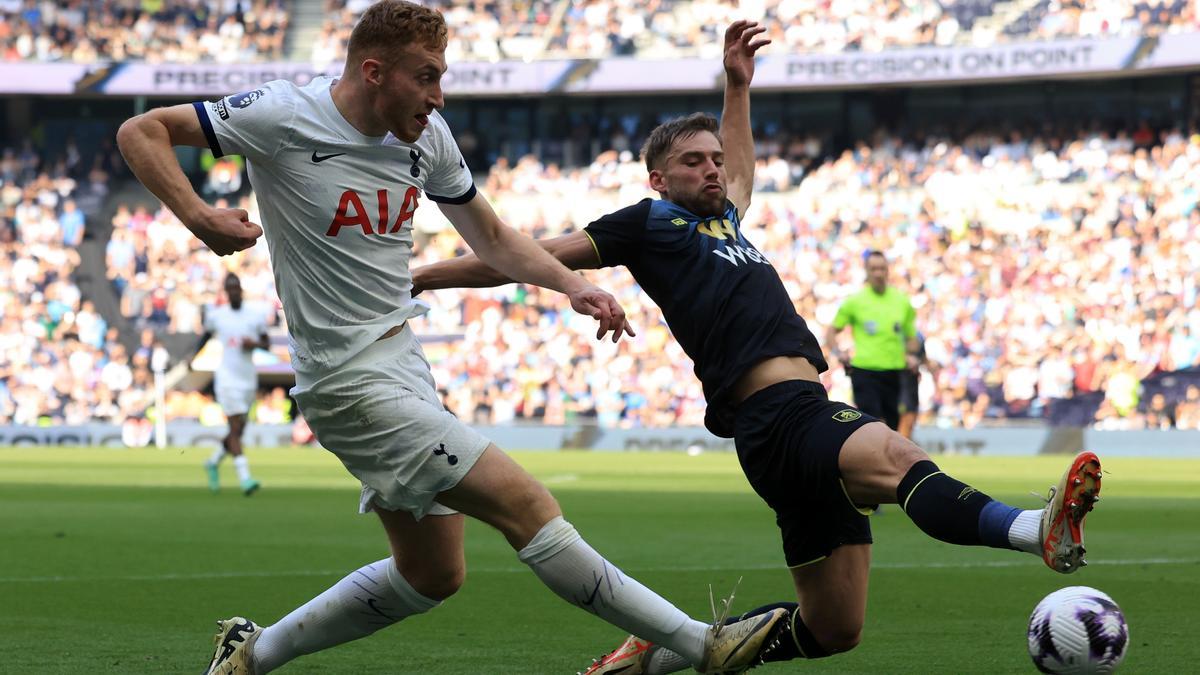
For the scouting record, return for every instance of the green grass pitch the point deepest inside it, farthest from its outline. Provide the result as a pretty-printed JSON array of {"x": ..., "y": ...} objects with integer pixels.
[{"x": 119, "y": 561}]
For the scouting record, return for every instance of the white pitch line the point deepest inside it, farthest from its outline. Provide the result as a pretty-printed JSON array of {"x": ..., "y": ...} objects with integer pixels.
[{"x": 199, "y": 576}]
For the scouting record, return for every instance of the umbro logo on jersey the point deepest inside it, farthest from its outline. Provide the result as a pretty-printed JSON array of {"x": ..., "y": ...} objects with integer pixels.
[{"x": 317, "y": 159}]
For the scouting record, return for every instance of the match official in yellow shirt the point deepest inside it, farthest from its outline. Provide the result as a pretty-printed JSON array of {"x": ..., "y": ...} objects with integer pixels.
[{"x": 885, "y": 341}]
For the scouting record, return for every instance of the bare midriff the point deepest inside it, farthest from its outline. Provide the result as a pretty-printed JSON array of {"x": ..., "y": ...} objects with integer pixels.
[{"x": 772, "y": 371}]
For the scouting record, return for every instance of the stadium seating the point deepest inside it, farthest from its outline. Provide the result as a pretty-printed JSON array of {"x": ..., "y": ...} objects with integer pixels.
[
  {"x": 59, "y": 360},
  {"x": 174, "y": 31},
  {"x": 984, "y": 231},
  {"x": 984, "y": 234},
  {"x": 1047, "y": 19}
]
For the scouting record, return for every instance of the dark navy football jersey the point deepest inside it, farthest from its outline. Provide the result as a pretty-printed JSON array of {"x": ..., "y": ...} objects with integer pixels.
[{"x": 720, "y": 296}]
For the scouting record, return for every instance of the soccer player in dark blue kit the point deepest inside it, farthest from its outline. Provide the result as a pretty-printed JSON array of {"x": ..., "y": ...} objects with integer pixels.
[{"x": 820, "y": 464}]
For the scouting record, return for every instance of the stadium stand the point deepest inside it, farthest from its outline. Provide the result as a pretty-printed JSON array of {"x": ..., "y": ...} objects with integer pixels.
[
  {"x": 163, "y": 31},
  {"x": 60, "y": 362},
  {"x": 173, "y": 31},
  {"x": 183, "y": 32},
  {"x": 493, "y": 31},
  {"x": 983, "y": 232},
  {"x": 1046, "y": 19},
  {"x": 1053, "y": 265}
]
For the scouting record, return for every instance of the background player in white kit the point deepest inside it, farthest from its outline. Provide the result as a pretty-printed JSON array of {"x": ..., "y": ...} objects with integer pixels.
[
  {"x": 240, "y": 330},
  {"x": 338, "y": 167}
]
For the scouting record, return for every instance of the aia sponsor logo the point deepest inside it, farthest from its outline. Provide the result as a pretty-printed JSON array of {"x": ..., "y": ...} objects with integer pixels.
[{"x": 353, "y": 213}]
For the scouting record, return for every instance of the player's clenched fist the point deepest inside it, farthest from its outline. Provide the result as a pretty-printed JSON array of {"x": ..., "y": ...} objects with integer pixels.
[
  {"x": 602, "y": 307},
  {"x": 225, "y": 231}
]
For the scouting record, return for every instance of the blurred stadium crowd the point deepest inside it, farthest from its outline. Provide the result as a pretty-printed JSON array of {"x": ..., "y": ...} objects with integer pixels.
[
  {"x": 60, "y": 361},
  {"x": 1044, "y": 264},
  {"x": 236, "y": 31},
  {"x": 161, "y": 31},
  {"x": 58, "y": 357}
]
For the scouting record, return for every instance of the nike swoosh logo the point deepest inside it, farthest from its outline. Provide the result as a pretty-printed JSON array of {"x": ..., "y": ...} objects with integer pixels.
[
  {"x": 461, "y": 165},
  {"x": 592, "y": 598},
  {"x": 317, "y": 159}
]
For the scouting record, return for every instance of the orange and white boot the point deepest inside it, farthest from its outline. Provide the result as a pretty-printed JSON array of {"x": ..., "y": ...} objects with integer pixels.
[{"x": 1067, "y": 505}]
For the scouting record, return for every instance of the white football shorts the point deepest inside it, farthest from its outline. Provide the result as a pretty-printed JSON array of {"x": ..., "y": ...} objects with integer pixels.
[
  {"x": 234, "y": 400},
  {"x": 381, "y": 415}
]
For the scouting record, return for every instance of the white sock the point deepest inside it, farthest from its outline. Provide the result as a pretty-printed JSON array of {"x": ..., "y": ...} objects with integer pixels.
[
  {"x": 217, "y": 456},
  {"x": 582, "y": 577},
  {"x": 243, "y": 467},
  {"x": 1025, "y": 532},
  {"x": 373, "y": 597}
]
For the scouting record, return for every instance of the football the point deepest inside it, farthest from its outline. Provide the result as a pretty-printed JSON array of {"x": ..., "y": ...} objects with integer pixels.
[{"x": 1077, "y": 631}]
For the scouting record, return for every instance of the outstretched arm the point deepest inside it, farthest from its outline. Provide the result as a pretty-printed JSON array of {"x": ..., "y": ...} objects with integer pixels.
[
  {"x": 574, "y": 250},
  {"x": 519, "y": 258},
  {"x": 741, "y": 42}
]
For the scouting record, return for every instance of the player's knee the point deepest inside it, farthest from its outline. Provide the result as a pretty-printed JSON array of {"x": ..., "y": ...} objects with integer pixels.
[
  {"x": 902, "y": 453},
  {"x": 838, "y": 638},
  {"x": 528, "y": 510}
]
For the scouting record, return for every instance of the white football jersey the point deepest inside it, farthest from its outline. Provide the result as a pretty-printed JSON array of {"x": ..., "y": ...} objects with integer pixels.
[
  {"x": 229, "y": 327},
  {"x": 337, "y": 210}
]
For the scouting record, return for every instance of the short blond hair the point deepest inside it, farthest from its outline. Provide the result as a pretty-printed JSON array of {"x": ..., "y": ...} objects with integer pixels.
[{"x": 389, "y": 26}]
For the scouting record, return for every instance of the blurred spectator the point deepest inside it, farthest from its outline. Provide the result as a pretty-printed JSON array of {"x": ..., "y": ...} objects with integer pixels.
[
  {"x": 1160, "y": 415},
  {"x": 224, "y": 175},
  {"x": 274, "y": 408},
  {"x": 1187, "y": 413},
  {"x": 72, "y": 222}
]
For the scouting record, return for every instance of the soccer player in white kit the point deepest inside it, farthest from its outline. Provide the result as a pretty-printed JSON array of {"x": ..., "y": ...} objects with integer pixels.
[
  {"x": 339, "y": 167},
  {"x": 240, "y": 330}
]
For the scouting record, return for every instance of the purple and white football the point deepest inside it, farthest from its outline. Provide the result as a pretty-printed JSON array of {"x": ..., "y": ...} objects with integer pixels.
[{"x": 1077, "y": 631}]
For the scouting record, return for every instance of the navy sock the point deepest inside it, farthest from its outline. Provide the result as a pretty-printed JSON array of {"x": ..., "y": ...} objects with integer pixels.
[
  {"x": 994, "y": 522},
  {"x": 952, "y": 511},
  {"x": 792, "y": 639}
]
